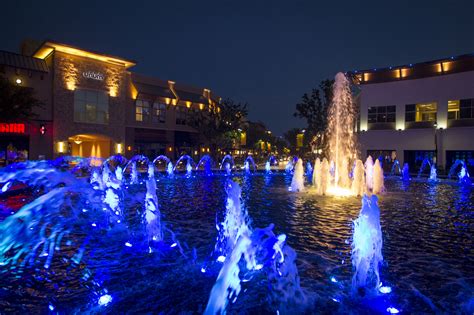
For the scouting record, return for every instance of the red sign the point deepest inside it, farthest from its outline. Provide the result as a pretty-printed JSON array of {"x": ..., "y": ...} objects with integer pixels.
[{"x": 12, "y": 128}]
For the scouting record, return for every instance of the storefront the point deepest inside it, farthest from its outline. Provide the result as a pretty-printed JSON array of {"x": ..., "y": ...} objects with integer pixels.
[{"x": 14, "y": 143}]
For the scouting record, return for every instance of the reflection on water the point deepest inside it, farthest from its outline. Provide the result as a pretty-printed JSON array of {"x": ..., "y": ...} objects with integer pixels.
[{"x": 428, "y": 251}]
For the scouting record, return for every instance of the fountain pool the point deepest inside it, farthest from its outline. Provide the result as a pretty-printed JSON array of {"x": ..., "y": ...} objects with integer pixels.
[{"x": 428, "y": 258}]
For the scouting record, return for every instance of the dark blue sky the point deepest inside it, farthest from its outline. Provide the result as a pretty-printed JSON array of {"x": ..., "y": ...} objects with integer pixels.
[{"x": 267, "y": 53}]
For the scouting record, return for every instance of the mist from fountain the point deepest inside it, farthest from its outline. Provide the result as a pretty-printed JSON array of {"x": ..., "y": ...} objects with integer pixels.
[
  {"x": 367, "y": 245},
  {"x": 297, "y": 183},
  {"x": 316, "y": 172},
  {"x": 268, "y": 168}
]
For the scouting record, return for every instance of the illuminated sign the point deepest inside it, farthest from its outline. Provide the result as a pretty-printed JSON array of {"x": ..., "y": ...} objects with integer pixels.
[
  {"x": 93, "y": 75},
  {"x": 12, "y": 128}
]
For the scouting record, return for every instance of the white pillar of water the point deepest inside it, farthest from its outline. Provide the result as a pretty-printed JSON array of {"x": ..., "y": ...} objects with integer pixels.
[
  {"x": 324, "y": 178},
  {"x": 358, "y": 182},
  {"x": 316, "y": 172},
  {"x": 378, "y": 178},
  {"x": 297, "y": 183}
]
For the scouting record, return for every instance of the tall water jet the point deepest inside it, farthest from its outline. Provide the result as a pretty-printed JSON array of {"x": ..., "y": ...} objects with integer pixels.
[
  {"x": 406, "y": 172},
  {"x": 246, "y": 167},
  {"x": 464, "y": 176},
  {"x": 309, "y": 170},
  {"x": 189, "y": 169},
  {"x": 134, "y": 174},
  {"x": 297, "y": 183},
  {"x": 340, "y": 131},
  {"x": 378, "y": 179},
  {"x": 367, "y": 245},
  {"x": 358, "y": 182},
  {"x": 369, "y": 173}
]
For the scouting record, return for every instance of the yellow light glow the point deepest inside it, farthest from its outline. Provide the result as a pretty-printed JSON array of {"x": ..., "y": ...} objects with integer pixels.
[
  {"x": 167, "y": 101},
  {"x": 366, "y": 77},
  {"x": 70, "y": 85},
  {"x": 174, "y": 102},
  {"x": 188, "y": 104},
  {"x": 203, "y": 149},
  {"x": 119, "y": 148},
  {"x": 113, "y": 91},
  {"x": 48, "y": 47},
  {"x": 61, "y": 147},
  {"x": 170, "y": 149},
  {"x": 339, "y": 192},
  {"x": 133, "y": 91},
  {"x": 207, "y": 149},
  {"x": 201, "y": 106},
  {"x": 129, "y": 148}
]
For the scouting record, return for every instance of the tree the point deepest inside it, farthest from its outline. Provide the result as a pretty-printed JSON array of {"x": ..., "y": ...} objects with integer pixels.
[
  {"x": 314, "y": 108},
  {"x": 220, "y": 124},
  {"x": 290, "y": 137},
  {"x": 16, "y": 102}
]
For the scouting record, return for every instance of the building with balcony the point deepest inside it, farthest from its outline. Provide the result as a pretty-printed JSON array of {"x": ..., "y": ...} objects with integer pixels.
[
  {"x": 94, "y": 106},
  {"x": 417, "y": 111}
]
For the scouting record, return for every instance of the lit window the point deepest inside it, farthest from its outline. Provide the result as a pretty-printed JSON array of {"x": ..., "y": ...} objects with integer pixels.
[
  {"x": 91, "y": 106},
  {"x": 142, "y": 110},
  {"x": 453, "y": 110},
  {"x": 420, "y": 112}
]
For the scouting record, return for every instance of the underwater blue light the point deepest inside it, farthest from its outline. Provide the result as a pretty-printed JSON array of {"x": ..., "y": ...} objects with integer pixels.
[
  {"x": 392, "y": 310},
  {"x": 51, "y": 307},
  {"x": 93, "y": 224},
  {"x": 128, "y": 244},
  {"x": 336, "y": 300},
  {"x": 203, "y": 270},
  {"x": 333, "y": 279},
  {"x": 221, "y": 258},
  {"x": 173, "y": 245},
  {"x": 105, "y": 299}
]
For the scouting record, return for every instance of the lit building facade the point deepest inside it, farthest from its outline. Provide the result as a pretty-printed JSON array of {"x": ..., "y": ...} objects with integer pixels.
[
  {"x": 418, "y": 111},
  {"x": 94, "y": 106}
]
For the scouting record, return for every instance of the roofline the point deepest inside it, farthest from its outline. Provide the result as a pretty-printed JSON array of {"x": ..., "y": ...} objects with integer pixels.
[
  {"x": 48, "y": 46},
  {"x": 411, "y": 65},
  {"x": 26, "y": 68}
]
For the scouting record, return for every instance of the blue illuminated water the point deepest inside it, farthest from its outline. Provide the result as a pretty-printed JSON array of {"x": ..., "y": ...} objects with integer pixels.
[{"x": 427, "y": 251}]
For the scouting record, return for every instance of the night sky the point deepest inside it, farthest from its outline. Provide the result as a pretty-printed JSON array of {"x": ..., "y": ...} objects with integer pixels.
[{"x": 267, "y": 54}]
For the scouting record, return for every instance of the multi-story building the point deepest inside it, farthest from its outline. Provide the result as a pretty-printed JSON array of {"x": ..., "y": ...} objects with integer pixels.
[
  {"x": 418, "y": 111},
  {"x": 95, "y": 106}
]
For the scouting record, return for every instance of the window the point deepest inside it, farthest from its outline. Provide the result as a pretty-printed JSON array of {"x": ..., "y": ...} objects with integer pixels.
[
  {"x": 159, "y": 112},
  {"x": 142, "y": 110},
  {"x": 453, "y": 110},
  {"x": 91, "y": 106},
  {"x": 466, "y": 108},
  {"x": 382, "y": 114},
  {"x": 181, "y": 115},
  {"x": 420, "y": 112}
]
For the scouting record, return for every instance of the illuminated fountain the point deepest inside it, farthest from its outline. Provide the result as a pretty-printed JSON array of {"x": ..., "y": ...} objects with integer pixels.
[
  {"x": 249, "y": 162},
  {"x": 367, "y": 245},
  {"x": 250, "y": 251},
  {"x": 433, "y": 174},
  {"x": 152, "y": 211},
  {"x": 369, "y": 173},
  {"x": 188, "y": 167},
  {"x": 227, "y": 163},
  {"x": 297, "y": 183},
  {"x": 358, "y": 181},
  {"x": 268, "y": 168},
  {"x": 341, "y": 135},
  {"x": 425, "y": 164},
  {"x": 396, "y": 167},
  {"x": 378, "y": 179},
  {"x": 406, "y": 172},
  {"x": 206, "y": 163}
]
